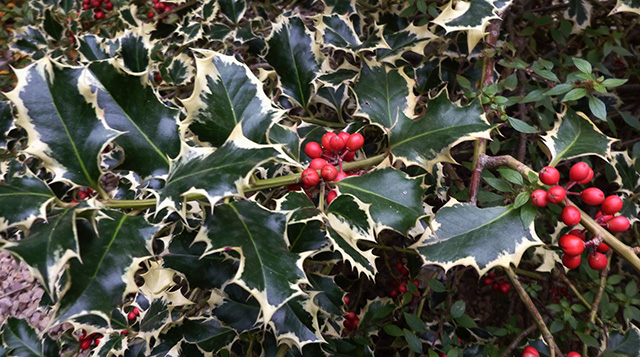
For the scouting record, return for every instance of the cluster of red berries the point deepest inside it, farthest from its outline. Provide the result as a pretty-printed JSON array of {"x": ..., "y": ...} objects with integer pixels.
[
  {"x": 82, "y": 194},
  {"x": 496, "y": 284},
  {"x": 99, "y": 7},
  {"x": 532, "y": 352},
  {"x": 559, "y": 293},
  {"x": 159, "y": 7},
  {"x": 401, "y": 288},
  {"x": 133, "y": 315},
  {"x": 332, "y": 150},
  {"x": 88, "y": 341},
  {"x": 351, "y": 320},
  {"x": 573, "y": 244}
]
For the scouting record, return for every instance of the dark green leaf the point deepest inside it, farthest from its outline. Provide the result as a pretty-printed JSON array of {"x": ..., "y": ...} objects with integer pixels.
[
  {"x": 457, "y": 309},
  {"x": 521, "y": 126},
  {"x": 51, "y": 26},
  {"x": 466, "y": 321},
  {"x": 91, "y": 48},
  {"x": 23, "y": 200},
  {"x": 233, "y": 9},
  {"x": 207, "y": 334},
  {"x": 6, "y": 121},
  {"x": 296, "y": 320},
  {"x": 413, "y": 341},
  {"x": 393, "y": 330},
  {"x": 597, "y": 107},
  {"x": 363, "y": 261},
  {"x": 134, "y": 50},
  {"x": 21, "y": 339},
  {"x": 587, "y": 339},
  {"x": 414, "y": 322}
]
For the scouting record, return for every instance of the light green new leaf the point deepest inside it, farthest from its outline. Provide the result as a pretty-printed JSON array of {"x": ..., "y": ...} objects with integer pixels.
[
  {"x": 427, "y": 140},
  {"x": 23, "y": 200},
  {"x": 470, "y": 16},
  {"x": 297, "y": 321},
  {"x": 597, "y": 107},
  {"x": 227, "y": 93},
  {"x": 583, "y": 65},
  {"x": 574, "y": 94},
  {"x": 383, "y": 94},
  {"x": 626, "y": 6},
  {"x": 575, "y": 135},
  {"x": 63, "y": 128},
  {"x": 48, "y": 247},
  {"x": 149, "y": 128},
  {"x": 395, "y": 198},
  {"x": 268, "y": 270},
  {"x": 463, "y": 234},
  {"x": 295, "y": 56},
  {"x": 105, "y": 275}
]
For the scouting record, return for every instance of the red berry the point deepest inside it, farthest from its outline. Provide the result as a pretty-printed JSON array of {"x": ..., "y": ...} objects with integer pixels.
[
  {"x": 404, "y": 271},
  {"x": 326, "y": 140},
  {"x": 618, "y": 224},
  {"x": 416, "y": 283},
  {"x": 394, "y": 293},
  {"x": 539, "y": 198},
  {"x": 400, "y": 265},
  {"x": 85, "y": 7},
  {"x": 566, "y": 237},
  {"x": 344, "y": 136},
  {"x": 85, "y": 344},
  {"x": 313, "y": 150},
  {"x": 124, "y": 332},
  {"x": 570, "y": 216},
  {"x": 109, "y": 6},
  {"x": 495, "y": 287},
  {"x": 504, "y": 288},
  {"x": 96, "y": 3},
  {"x": 98, "y": 340},
  {"x": 159, "y": 6},
  {"x": 578, "y": 233},
  {"x": 611, "y": 205},
  {"x": 579, "y": 171},
  {"x": 346, "y": 300},
  {"x": 587, "y": 179},
  {"x": 350, "y": 315},
  {"x": 83, "y": 335},
  {"x": 487, "y": 281},
  {"x": 571, "y": 245},
  {"x": 317, "y": 163},
  {"x": 349, "y": 156},
  {"x": 530, "y": 352},
  {"x": 598, "y": 261},
  {"x": 72, "y": 39},
  {"x": 549, "y": 175},
  {"x": 310, "y": 177},
  {"x": 341, "y": 175},
  {"x": 131, "y": 316},
  {"x": 331, "y": 196},
  {"x": 571, "y": 261},
  {"x": 150, "y": 15},
  {"x": 603, "y": 247},
  {"x": 355, "y": 142},
  {"x": 98, "y": 15},
  {"x": 556, "y": 194},
  {"x": 329, "y": 172},
  {"x": 136, "y": 311},
  {"x": 592, "y": 196},
  {"x": 573, "y": 354},
  {"x": 402, "y": 288},
  {"x": 337, "y": 143}
]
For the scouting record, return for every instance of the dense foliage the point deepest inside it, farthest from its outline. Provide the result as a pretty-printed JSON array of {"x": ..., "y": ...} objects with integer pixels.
[{"x": 152, "y": 176}]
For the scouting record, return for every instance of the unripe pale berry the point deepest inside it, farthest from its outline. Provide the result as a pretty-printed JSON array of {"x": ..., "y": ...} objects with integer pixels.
[
  {"x": 549, "y": 175},
  {"x": 310, "y": 177},
  {"x": 570, "y": 216},
  {"x": 618, "y": 224},
  {"x": 329, "y": 172},
  {"x": 598, "y": 261},
  {"x": 355, "y": 142},
  {"x": 539, "y": 198},
  {"x": 592, "y": 196},
  {"x": 579, "y": 171},
  {"x": 556, "y": 194},
  {"x": 611, "y": 205},
  {"x": 313, "y": 150},
  {"x": 571, "y": 245},
  {"x": 571, "y": 261},
  {"x": 317, "y": 163}
]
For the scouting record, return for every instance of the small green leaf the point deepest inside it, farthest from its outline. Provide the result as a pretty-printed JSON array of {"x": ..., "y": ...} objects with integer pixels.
[
  {"x": 499, "y": 184},
  {"x": 457, "y": 309},
  {"x": 631, "y": 120},
  {"x": 534, "y": 96},
  {"x": 436, "y": 286},
  {"x": 598, "y": 108},
  {"x": 463, "y": 82},
  {"x": 466, "y": 321},
  {"x": 521, "y": 199},
  {"x": 511, "y": 82},
  {"x": 414, "y": 322},
  {"x": 587, "y": 339},
  {"x": 528, "y": 213},
  {"x": 582, "y": 65},
  {"x": 559, "y": 89},
  {"x": 521, "y": 126},
  {"x": 413, "y": 341},
  {"x": 512, "y": 176},
  {"x": 574, "y": 94},
  {"x": 393, "y": 330}
]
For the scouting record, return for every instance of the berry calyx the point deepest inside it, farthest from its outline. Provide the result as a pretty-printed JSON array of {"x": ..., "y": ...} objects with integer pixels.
[
  {"x": 326, "y": 140},
  {"x": 598, "y": 261},
  {"x": 570, "y": 216},
  {"x": 571, "y": 245},
  {"x": 539, "y": 198},
  {"x": 313, "y": 150},
  {"x": 556, "y": 194},
  {"x": 592, "y": 196},
  {"x": 579, "y": 171},
  {"x": 549, "y": 175},
  {"x": 331, "y": 196},
  {"x": 317, "y": 163},
  {"x": 618, "y": 224},
  {"x": 310, "y": 177},
  {"x": 355, "y": 142},
  {"x": 530, "y": 352},
  {"x": 571, "y": 261},
  {"x": 329, "y": 172},
  {"x": 611, "y": 205}
]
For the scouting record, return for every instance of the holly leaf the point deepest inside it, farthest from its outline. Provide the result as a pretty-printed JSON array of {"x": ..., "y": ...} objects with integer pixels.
[
  {"x": 233, "y": 9},
  {"x": 362, "y": 261},
  {"x": 463, "y": 234},
  {"x": 92, "y": 48},
  {"x": 6, "y": 122},
  {"x": 227, "y": 93},
  {"x": 268, "y": 270},
  {"x": 48, "y": 247},
  {"x": 579, "y": 12},
  {"x": 297, "y": 321},
  {"x": 471, "y": 16},
  {"x": 337, "y": 32},
  {"x": 215, "y": 174},
  {"x": 109, "y": 260},
  {"x": 575, "y": 135},
  {"x": 428, "y": 139},
  {"x": 181, "y": 70},
  {"x": 149, "y": 128},
  {"x": 626, "y": 6},
  {"x": 627, "y": 344},
  {"x": 327, "y": 294},
  {"x": 395, "y": 199},
  {"x": 155, "y": 319},
  {"x": 63, "y": 128},
  {"x": 22, "y": 340},
  {"x": 239, "y": 310},
  {"x": 134, "y": 50},
  {"x": 350, "y": 217},
  {"x": 305, "y": 231},
  {"x": 288, "y": 137},
  {"x": 23, "y": 200},
  {"x": 391, "y": 95},
  {"x": 627, "y": 177},
  {"x": 411, "y": 38},
  {"x": 294, "y": 55}
]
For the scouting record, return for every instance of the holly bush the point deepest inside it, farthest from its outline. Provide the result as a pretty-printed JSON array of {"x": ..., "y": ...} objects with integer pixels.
[{"x": 152, "y": 160}]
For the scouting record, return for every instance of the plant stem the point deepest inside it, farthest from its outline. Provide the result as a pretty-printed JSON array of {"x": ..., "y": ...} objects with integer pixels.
[{"x": 384, "y": 247}]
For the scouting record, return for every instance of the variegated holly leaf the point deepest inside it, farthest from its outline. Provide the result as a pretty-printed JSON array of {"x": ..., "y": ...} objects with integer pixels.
[
  {"x": 296, "y": 321},
  {"x": 23, "y": 200},
  {"x": 233, "y": 9},
  {"x": 239, "y": 310},
  {"x": 155, "y": 319},
  {"x": 362, "y": 261},
  {"x": 470, "y": 16},
  {"x": 288, "y": 137},
  {"x": 295, "y": 56},
  {"x": 575, "y": 135},
  {"x": 626, "y": 6},
  {"x": 427, "y": 140},
  {"x": 395, "y": 199},
  {"x": 48, "y": 247},
  {"x": 109, "y": 259},
  {"x": 411, "y": 38},
  {"x": 350, "y": 217},
  {"x": 30, "y": 41},
  {"x": 215, "y": 174},
  {"x": 327, "y": 294},
  {"x": 268, "y": 270},
  {"x": 51, "y": 26},
  {"x": 305, "y": 231},
  {"x": 337, "y": 32},
  {"x": 627, "y": 176},
  {"x": 6, "y": 122},
  {"x": 134, "y": 51},
  {"x": 341, "y": 7},
  {"x": 149, "y": 128},
  {"x": 579, "y": 12},
  {"x": 189, "y": 31},
  {"x": 374, "y": 312},
  {"x": 627, "y": 344},
  {"x": 114, "y": 343},
  {"x": 383, "y": 94},
  {"x": 463, "y": 234},
  {"x": 22, "y": 340},
  {"x": 334, "y": 97},
  {"x": 92, "y": 48},
  {"x": 207, "y": 10},
  {"x": 207, "y": 334},
  {"x": 64, "y": 131},
  {"x": 181, "y": 70},
  {"x": 227, "y": 93}
]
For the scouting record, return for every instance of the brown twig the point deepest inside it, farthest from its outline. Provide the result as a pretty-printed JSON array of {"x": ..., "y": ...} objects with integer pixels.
[{"x": 516, "y": 341}]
